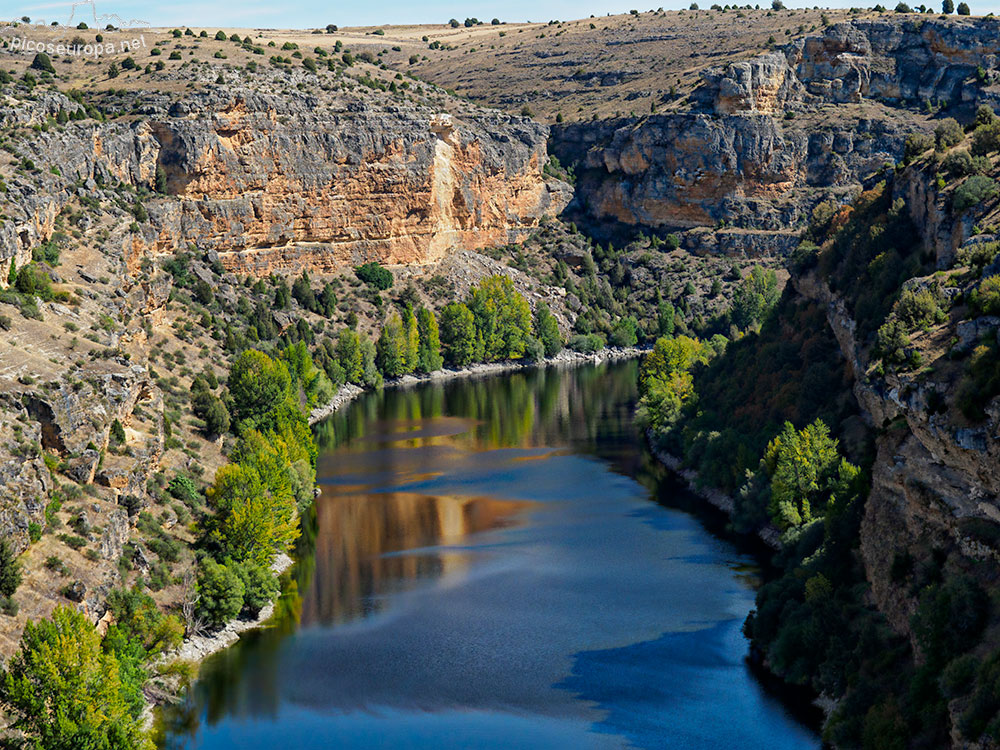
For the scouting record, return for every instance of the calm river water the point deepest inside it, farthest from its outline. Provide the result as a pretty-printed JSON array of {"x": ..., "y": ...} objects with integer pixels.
[{"x": 497, "y": 563}]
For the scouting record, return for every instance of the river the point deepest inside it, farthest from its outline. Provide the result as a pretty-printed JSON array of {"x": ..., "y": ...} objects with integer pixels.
[{"x": 497, "y": 563}]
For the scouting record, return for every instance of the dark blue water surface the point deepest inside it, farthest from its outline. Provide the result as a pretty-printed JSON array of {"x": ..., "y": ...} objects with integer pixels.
[{"x": 497, "y": 563}]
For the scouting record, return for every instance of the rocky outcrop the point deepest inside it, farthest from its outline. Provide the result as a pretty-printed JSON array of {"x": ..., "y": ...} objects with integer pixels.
[
  {"x": 935, "y": 479},
  {"x": 767, "y": 138},
  {"x": 688, "y": 170}
]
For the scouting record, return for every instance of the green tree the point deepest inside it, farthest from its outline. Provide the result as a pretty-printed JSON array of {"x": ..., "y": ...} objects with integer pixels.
[
  {"x": 10, "y": 569},
  {"x": 665, "y": 380},
  {"x": 458, "y": 334},
  {"x": 372, "y": 376},
  {"x": 43, "y": 63},
  {"x": 260, "y": 585},
  {"x": 963, "y": 9},
  {"x": 948, "y": 6},
  {"x": 804, "y": 466},
  {"x": 220, "y": 593},
  {"x": 258, "y": 386},
  {"x": 547, "y": 330},
  {"x": 349, "y": 356},
  {"x": 429, "y": 356},
  {"x": 137, "y": 614},
  {"x": 328, "y": 300},
  {"x": 754, "y": 298},
  {"x": 66, "y": 691},
  {"x": 974, "y": 191},
  {"x": 948, "y": 133},
  {"x": 665, "y": 316},
  {"x": 411, "y": 340},
  {"x": 375, "y": 275},
  {"x": 303, "y": 293},
  {"x": 986, "y": 139},
  {"x": 254, "y": 497},
  {"x": 391, "y": 348},
  {"x": 624, "y": 332},
  {"x": 503, "y": 318}
]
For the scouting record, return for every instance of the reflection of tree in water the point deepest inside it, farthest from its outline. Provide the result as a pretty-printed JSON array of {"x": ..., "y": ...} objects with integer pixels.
[{"x": 523, "y": 409}]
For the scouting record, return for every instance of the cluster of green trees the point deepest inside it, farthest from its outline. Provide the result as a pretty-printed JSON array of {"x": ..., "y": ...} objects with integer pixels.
[
  {"x": 494, "y": 324},
  {"x": 666, "y": 384},
  {"x": 69, "y": 687},
  {"x": 257, "y": 497}
]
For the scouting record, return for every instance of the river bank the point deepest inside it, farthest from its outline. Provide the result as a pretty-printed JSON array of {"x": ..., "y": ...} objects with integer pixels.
[{"x": 715, "y": 497}]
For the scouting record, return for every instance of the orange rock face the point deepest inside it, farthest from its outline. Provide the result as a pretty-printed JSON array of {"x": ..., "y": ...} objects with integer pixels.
[{"x": 272, "y": 191}]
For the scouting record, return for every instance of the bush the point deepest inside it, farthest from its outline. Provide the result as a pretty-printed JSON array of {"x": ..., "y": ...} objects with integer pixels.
[
  {"x": 259, "y": 583},
  {"x": 948, "y": 133},
  {"x": 975, "y": 190},
  {"x": 979, "y": 255},
  {"x": 586, "y": 343},
  {"x": 43, "y": 63},
  {"x": 375, "y": 276},
  {"x": 961, "y": 163},
  {"x": 220, "y": 591},
  {"x": 182, "y": 488},
  {"x": 10, "y": 570},
  {"x": 916, "y": 145},
  {"x": 986, "y": 138},
  {"x": 986, "y": 299}
]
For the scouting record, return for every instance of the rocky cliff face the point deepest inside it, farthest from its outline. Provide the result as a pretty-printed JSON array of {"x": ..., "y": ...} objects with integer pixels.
[
  {"x": 285, "y": 182},
  {"x": 766, "y": 139}
]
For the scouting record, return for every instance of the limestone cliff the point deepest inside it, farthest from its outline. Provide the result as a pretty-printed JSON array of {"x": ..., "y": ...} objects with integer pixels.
[
  {"x": 763, "y": 140},
  {"x": 283, "y": 182}
]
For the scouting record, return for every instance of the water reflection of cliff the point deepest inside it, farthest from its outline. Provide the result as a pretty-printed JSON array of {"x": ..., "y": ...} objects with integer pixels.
[{"x": 358, "y": 534}]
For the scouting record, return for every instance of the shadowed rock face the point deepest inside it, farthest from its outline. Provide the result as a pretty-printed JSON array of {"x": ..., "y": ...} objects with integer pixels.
[{"x": 852, "y": 94}]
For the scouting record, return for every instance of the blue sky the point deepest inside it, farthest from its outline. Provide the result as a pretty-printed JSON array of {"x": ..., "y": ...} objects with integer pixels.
[{"x": 313, "y": 13}]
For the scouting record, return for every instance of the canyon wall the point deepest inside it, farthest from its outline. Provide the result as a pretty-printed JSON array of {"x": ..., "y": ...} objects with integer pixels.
[
  {"x": 763, "y": 140},
  {"x": 286, "y": 182}
]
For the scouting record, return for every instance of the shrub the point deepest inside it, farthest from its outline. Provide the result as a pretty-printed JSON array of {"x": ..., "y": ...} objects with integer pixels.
[
  {"x": 948, "y": 133},
  {"x": 978, "y": 256},
  {"x": 916, "y": 145},
  {"x": 975, "y": 190},
  {"x": 986, "y": 299},
  {"x": 918, "y": 309},
  {"x": 259, "y": 583},
  {"x": 961, "y": 163},
  {"x": 184, "y": 489},
  {"x": 220, "y": 592},
  {"x": 43, "y": 63},
  {"x": 586, "y": 343},
  {"x": 986, "y": 139},
  {"x": 375, "y": 275}
]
